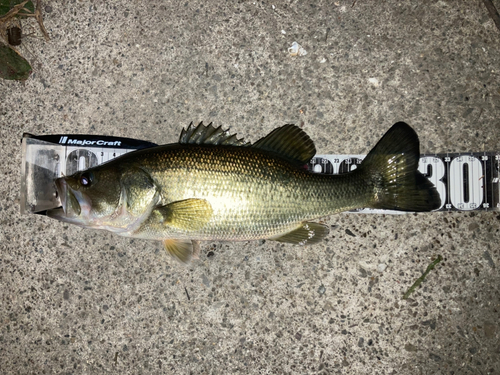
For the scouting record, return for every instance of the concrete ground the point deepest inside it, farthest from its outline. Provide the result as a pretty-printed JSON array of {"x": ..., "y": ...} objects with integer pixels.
[{"x": 78, "y": 301}]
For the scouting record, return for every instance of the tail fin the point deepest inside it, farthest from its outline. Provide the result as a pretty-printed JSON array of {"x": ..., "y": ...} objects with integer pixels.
[{"x": 391, "y": 166}]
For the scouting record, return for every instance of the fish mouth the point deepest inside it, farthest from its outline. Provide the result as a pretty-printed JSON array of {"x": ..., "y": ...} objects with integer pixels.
[
  {"x": 71, "y": 204},
  {"x": 61, "y": 187}
]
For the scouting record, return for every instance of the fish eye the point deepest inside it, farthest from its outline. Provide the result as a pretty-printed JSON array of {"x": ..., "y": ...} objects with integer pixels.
[{"x": 86, "y": 179}]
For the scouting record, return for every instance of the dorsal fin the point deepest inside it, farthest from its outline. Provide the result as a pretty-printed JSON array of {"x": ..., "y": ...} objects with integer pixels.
[
  {"x": 209, "y": 135},
  {"x": 290, "y": 142}
]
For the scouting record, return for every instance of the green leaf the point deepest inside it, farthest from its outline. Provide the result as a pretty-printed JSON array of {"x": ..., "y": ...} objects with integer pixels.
[
  {"x": 6, "y": 5},
  {"x": 12, "y": 65}
]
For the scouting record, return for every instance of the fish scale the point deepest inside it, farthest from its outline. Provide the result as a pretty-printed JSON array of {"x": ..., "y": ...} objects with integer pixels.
[{"x": 253, "y": 194}]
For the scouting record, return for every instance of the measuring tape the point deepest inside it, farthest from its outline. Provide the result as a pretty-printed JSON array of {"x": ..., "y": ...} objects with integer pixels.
[{"x": 464, "y": 181}]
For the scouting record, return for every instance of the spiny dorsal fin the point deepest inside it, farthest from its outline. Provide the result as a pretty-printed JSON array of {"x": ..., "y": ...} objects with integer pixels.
[
  {"x": 209, "y": 135},
  {"x": 290, "y": 142}
]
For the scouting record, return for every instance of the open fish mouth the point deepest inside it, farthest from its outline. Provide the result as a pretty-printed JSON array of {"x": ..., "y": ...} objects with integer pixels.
[
  {"x": 69, "y": 202},
  {"x": 71, "y": 209},
  {"x": 61, "y": 188}
]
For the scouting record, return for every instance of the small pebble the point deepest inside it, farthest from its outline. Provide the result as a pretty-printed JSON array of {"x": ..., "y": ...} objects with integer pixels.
[
  {"x": 435, "y": 357},
  {"x": 381, "y": 267},
  {"x": 204, "y": 280},
  {"x": 348, "y": 232}
]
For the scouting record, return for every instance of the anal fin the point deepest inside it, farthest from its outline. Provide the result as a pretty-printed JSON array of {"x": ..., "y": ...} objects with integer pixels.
[{"x": 307, "y": 233}]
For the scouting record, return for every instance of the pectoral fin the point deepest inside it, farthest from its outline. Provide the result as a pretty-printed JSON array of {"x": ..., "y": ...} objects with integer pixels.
[
  {"x": 188, "y": 214},
  {"x": 308, "y": 233}
]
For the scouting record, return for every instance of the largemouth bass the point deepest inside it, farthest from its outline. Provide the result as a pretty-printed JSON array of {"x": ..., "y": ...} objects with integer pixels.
[{"x": 212, "y": 186}]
